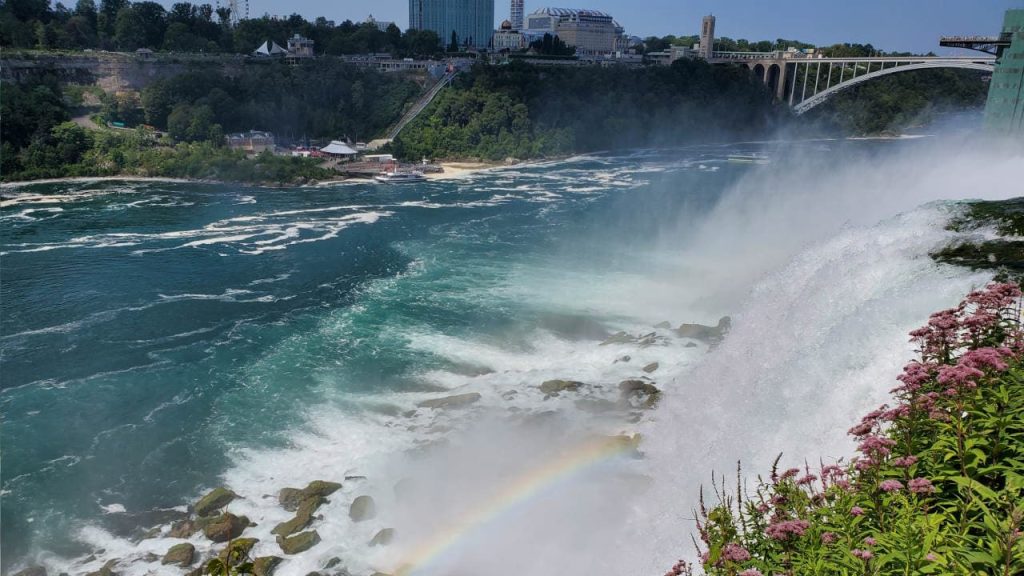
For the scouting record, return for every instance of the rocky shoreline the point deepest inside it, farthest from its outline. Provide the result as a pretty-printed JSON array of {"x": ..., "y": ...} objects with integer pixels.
[{"x": 210, "y": 535}]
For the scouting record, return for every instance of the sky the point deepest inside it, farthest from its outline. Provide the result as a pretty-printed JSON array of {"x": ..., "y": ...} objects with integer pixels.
[{"x": 891, "y": 25}]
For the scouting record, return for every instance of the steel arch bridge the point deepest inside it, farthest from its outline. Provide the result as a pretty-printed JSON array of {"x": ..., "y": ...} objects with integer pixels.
[{"x": 805, "y": 82}]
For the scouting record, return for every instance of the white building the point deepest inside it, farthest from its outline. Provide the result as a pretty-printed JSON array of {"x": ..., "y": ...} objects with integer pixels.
[
  {"x": 592, "y": 32},
  {"x": 506, "y": 38}
]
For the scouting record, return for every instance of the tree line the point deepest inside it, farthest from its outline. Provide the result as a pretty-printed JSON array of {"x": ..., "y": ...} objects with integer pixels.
[{"x": 186, "y": 27}]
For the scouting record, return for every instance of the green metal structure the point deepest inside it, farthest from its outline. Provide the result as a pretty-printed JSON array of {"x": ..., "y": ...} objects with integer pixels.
[{"x": 1004, "y": 110}]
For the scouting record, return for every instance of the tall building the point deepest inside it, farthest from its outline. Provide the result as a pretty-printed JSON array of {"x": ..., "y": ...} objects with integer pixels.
[
  {"x": 472, "y": 21},
  {"x": 593, "y": 33},
  {"x": 707, "y": 37},
  {"x": 1004, "y": 110},
  {"x": 516, "y": 18}
]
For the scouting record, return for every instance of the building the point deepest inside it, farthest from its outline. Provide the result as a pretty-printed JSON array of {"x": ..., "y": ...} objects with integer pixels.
[
  {"x": 707, "y": 37},
  {"x": 1004, "y": 109},
  {"x": 673, "y": 53},
  {"x": 252, "y": 142},
  {"x": 381, "y": 25},
  {"x": 472, "y": 21},
  {"x": 300, "y": 47},
  {"x": 592, "y": 32},
  {"x": 507, "y": 38},
  {"x": 338, "y": 149},
  {"x": 516, "y": 15}
]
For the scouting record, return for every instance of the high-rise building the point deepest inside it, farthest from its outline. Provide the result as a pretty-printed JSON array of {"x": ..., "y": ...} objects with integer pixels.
[
  {"x": 516, "y": 17},
  {"x": 707, "y": 37},
  {"x": 472, "y": 21},
  {"x": 592, "y": 32}
]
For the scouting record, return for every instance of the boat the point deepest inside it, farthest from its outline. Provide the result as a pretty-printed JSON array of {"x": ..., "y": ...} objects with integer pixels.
[
  {"x": 748, "y": 159},
  {"x": 396, "y": 177}
]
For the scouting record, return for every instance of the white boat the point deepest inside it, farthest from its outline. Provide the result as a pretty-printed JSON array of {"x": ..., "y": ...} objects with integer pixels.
[
  {"x": 748, "y": 159},
  {"x": 396, "y": 177}
]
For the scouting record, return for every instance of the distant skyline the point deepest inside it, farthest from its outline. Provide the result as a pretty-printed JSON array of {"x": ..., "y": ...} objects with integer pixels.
[{"x": 891, "y": 25}]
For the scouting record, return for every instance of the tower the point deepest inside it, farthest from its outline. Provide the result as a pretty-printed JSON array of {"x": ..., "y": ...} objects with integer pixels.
[
  {"x": 707, "y": 37},
  {"x": 517, "y": 15},
  {"x": 239, "y": 9}
]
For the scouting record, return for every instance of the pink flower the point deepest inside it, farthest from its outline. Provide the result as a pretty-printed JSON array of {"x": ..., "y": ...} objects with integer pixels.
[
  {"x": 982, "y": 358},
  {"x": 856, "y": 511},
  {"x": 869, "y": 541},
  {"x": 735, "y": 553},
  {"x": 876, "y": 445},
  {"x": 864, "y": 555},
  {"x": 921, "y": 486},
  {"x": 828, "y": 538},
  {"x": 787, "y": 529},
  {"x": 931, "y": 557},
  {"x": 750, "y": 572},
  {"x": 904, "y": 461},
  {"x": 806, "y": 480},
  {"x": 891, "y": 485}
]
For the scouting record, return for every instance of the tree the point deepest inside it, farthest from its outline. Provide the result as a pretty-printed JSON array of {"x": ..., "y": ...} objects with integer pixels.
[
  {"x": 453, "y": 46},
  {"x": 140, "y": 25}
]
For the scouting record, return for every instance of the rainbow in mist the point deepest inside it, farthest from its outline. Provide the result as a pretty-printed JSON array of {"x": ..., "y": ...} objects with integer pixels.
[{"x": 522, "y": 489}]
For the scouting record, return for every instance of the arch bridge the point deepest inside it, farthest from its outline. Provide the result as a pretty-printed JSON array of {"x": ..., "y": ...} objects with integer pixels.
[{"x": 805, "y": 81}]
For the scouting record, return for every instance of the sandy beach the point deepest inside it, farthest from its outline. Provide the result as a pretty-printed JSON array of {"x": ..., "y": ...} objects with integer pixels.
[{"x": 461, "y": 169}]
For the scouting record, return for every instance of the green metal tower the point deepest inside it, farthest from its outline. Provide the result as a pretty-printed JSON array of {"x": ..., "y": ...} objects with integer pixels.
[{"x": 1004, "y": 110}]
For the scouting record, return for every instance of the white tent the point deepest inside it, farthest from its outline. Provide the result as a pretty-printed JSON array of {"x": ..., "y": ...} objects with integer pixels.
[
  {"x": 263, "y": 50},
  {"x": 338, "y": 148},
  {"x": 275, "y": 49}
]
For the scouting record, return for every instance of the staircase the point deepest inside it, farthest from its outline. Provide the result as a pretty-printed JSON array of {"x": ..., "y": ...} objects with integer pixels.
[{"x": 421, "y": 104}]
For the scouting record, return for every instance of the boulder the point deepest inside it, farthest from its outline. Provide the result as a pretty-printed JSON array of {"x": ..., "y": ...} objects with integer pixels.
[
  {"x": 238, "y": 550},
  {"x": 650, "y": 367},
  {"x": 180, "y": 554},
  {"x": 265, "y": 565},
  {"x": 690, "y": 345},
  {"x": 383, "y": 538},
  {"x": 639, "y": 393},
  {"x": 106, "y": 570},
  {"x": 618, "y": 338},
  {"x": 292, "y": 498},
  {"x": 303, "y": 516},
  {"x": 184, "y": 529},
  {"x": 298, "y": 543},
  {"x": 456, "y": 401},
  {"x": 32, "y": 571},
  {"x": 334, "y": 561},
  {"x": 709, "y": 334},
  {"x": 625, "y": 358},
  {"x": 553, "y": 387},
  {"x": 213, "y": 501},
  {"x": 225, "y": 527},
  {"x": 362, "y": 508},
  {"x": 666, "y": 325}
]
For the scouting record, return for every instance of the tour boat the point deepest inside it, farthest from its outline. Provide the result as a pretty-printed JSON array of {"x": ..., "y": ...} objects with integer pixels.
[
  {"x": 748, "y": 158},
  {"x": 395, "y": 177}
]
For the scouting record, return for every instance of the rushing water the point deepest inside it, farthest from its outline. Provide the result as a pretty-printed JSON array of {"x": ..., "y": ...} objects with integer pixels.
[{"x": 162, "y": 338}]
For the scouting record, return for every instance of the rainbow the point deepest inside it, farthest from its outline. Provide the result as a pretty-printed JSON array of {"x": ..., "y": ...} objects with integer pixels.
[{"x": 521, "y": 489}]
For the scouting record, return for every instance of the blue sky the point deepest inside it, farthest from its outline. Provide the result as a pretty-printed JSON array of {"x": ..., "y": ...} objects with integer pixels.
[{"x": 905, "y": 25}]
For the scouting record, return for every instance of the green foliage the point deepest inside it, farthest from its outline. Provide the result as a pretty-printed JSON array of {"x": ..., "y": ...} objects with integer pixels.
[
  {"x": 526, "y": 111},
  {"x": 938, "y": 487},
  {"x": 234, "y": 561}
]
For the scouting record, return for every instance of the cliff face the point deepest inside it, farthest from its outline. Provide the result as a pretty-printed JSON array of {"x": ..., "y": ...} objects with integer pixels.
[{"x": 112, "y": 71}]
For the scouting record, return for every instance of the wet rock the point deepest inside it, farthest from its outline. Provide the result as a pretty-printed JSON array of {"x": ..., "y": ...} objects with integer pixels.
[
  {"x": 225, "y": 527},
  {"x": 625, "y": 358},
  {"x": 362, "y": 508},
  {"x": 553, "y": 387},
  {"x": 265, "y": 565},
  {"x": 184, "y": 529},
  {"x": 106, "y": 570},
  {"x": 32, "y": 571},
  {"x": 639, "y": 393},
  {"x": 709, "y": 334},
  {"x": 332, "y": 563},
  {"x": 213, "y": 501},
  {"x": 619, "y": 338},
  {"x": 292, "y": 498},
  {"x": 690, "y": 345},
  {"x": 314, "y": 573},
  {"x": 456, "y": 401},
  {"x": 666, "y": 325},
  {"x": 303, "y": 516},
  {"x": 153, "y": 532},
  {"x": 298, "y": 543},
  {"x": 383, "y": 538},
  {"x": 180, "y": 554},
  {"x": 650, "y": 367}
]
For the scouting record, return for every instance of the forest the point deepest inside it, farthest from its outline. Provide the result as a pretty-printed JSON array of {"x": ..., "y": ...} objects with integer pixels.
[{"x": 523, "y": 111}]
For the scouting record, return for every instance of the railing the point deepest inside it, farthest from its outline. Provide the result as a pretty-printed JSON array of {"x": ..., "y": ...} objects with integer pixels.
[{"x": 421, "y": 104}]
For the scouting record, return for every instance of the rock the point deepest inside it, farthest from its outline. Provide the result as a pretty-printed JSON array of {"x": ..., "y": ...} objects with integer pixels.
[
  {"x": 666, "y": 325},
  {"x": 183, "y": 529},
  {"x": 625, "y": 358},
  {"x": 225, "y": 527},
  {"x": 383, "y": 538},
  {"x": 553, "y": 387},
  {"x": 180, "y": 554},
  {"x": 596, "y": 405},
  {"x": 650, "y": 367},
  {"x": 265, "y": 565},
  {"x": 639, "y": 393},
  {"x": 710, "y": 334},
  {"x": 314, "y": 573},
  {"x": 456, "y": 401},
  {"x": 690, "y": 345},
  {"x": 153, "y": 532},
  {"x": 362, "y": 508},
  {"x": 291, "y": 498},
  {"x": 618, "y": 338},
  {"x": 238, "y": 551},
  {"x": 332, "y": 563},
  {"x": 32, "y": 571},
  {"x": 215, "y": 500},
  {"x": 298, "y": 543},
  {"x": 106, "y": 570},
  {"x": 303, "y": 516}
]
